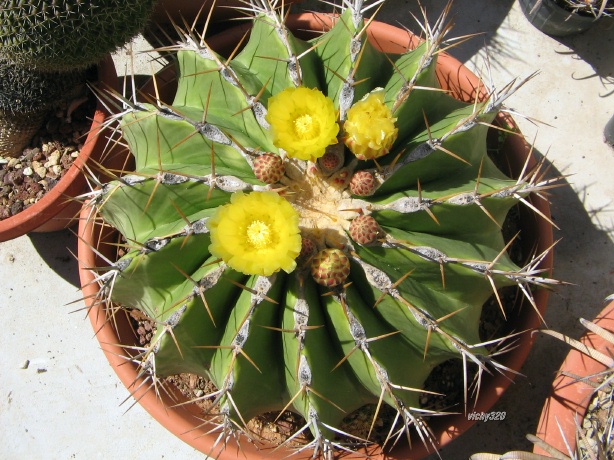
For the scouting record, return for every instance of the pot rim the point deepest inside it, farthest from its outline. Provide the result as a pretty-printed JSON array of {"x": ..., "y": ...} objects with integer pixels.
[{"x": 181, "y": 421}]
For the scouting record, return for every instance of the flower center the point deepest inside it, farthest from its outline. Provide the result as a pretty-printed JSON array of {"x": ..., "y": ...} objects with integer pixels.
[
  {"x": 306, "y": 127},
  {"x": 259, "y": 234}
]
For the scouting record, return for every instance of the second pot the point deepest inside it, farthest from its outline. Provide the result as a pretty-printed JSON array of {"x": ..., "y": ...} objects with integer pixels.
[{"x": 554, "y": 20}]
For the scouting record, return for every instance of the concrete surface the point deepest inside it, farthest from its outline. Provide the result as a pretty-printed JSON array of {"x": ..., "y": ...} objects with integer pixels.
[{"x": 67, "y": 402}]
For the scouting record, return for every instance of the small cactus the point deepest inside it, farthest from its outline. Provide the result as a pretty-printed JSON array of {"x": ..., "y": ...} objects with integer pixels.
[
  {"x": 318, "y": 290},
  {"x": 26, "y": 95},
  {"x": 45, "y": 48}
]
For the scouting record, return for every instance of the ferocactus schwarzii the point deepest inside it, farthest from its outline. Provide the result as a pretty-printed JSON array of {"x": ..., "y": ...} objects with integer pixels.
[{"x": 346, "y": 272}]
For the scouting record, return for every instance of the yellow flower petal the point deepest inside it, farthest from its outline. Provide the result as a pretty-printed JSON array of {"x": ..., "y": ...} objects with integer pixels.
[
  {"x": 303, "y": 122},
  {"x": 370, "y": 127},
  {"x": 256, "y": 234}
]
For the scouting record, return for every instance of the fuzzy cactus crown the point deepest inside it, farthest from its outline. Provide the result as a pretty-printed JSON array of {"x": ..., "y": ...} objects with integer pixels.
[{"x": 312, "y": 225}]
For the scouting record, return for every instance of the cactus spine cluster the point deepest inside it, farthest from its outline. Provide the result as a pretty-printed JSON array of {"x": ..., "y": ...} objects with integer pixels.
[
  {"x": 45, "y": 45},
  {"x": 400, "y": 244}
]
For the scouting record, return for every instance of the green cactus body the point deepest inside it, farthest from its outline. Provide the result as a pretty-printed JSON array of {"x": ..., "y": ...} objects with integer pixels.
[{"x": 414, "y": 294}]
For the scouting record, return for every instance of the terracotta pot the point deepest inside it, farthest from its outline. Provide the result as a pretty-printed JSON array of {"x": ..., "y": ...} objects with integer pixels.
[
  {"x": 569, "y": 398},
  {"x": 57, "y": 209},
  {"x": 554, "y": 20},
  {"x": 182, "y": 420}
]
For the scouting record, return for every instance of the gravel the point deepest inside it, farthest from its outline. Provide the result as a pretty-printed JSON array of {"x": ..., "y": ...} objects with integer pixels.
[{"x": 25, "y": 180}]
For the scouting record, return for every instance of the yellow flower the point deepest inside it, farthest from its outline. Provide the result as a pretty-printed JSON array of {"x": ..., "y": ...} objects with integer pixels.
[
  {"x": 256, "y": 234},
  {"x": 303, "y": 122},
  {"x": 369, "y": 128}
]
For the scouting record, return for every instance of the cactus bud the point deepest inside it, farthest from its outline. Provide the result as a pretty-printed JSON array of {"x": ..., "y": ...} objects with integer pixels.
[
  {"x": 362, "y": 183},
  {"x": 332, "y": 160},
  {"x": 269, "y": 168},
  {"x": 330, "y": 267},
  {"x": 308, "y": 248},
  {"x": 364, "y": 229}
]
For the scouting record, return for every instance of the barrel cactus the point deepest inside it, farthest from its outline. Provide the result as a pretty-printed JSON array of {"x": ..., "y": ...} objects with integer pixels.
[{"x": 313, "y": 225}]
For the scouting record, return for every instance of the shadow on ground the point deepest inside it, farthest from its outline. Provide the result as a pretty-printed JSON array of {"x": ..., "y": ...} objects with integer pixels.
[
  {"x": 596, "y": 48},
  {"x": 59, "y": 251},
  {"x": 468, "y": 19}
]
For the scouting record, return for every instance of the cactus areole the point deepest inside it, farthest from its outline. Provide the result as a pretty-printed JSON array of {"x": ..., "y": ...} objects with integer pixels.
[{"x": 343, "y": 274}]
